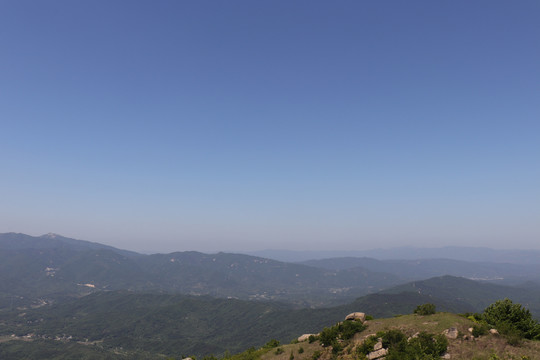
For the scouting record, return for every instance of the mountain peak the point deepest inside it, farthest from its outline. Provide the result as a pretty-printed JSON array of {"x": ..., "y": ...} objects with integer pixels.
[{"x": 50, "y": 236}]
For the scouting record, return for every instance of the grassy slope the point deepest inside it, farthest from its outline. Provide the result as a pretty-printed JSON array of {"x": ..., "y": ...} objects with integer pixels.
[{"x": 459, "y": 349}]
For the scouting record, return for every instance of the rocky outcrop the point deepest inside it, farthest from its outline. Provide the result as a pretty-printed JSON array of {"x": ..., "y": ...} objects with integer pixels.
[
  {"x": 451, "y": 333},
  {"x": 377, "y": 354},
  {"x": 305, "y": 337},
  {"x": 358, "y": 316}
]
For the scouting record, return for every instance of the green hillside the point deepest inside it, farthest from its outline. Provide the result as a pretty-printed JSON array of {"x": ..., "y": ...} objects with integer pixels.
[
  {"x": 38, "y": 270},
  {"x": 476, "y": 295},
  {"x": 167, "y": 324}
]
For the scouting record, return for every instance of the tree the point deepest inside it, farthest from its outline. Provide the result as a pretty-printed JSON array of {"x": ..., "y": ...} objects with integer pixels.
[
  {"x": 426, "y": 309},
  {"x": 512, "y": 319}
]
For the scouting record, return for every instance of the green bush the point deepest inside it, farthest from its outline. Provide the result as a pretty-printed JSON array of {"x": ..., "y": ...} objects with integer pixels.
[
  {"x": 271, "y": 344},
  {"x": 480, "y": 329},
  {"x": 512, "y": 319},
  {"x": 340, "y": 331},
  {"x": 316, "y": 355},
  {"x": 328, "y": 336},
  {"x": 367, "y": 346},
  {"x": 425, "y": 346},
  {"x": 425, "y": 309},
  {"x": 347, "y": 329},
  {"x": 394, "y": 339}
]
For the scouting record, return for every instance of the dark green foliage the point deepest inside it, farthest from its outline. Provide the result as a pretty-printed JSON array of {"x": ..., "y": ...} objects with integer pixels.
[
  {"x": 168, "y": 324},
  {"x": 425, "y": 309},
  {"x": 424, "y": 346},
  {"x": 328, "y": 336},
  {"x": 55, "y": 350},
  {"x": 480, "y": 329},
  {"x": 316, "y": 355},
  {"x": 394, "y": 339},
  {"x": 341, "y": 331},
  {"x": 347, "y": 329},
  {"x": 512, "y": 320},
  {"x": 279, "y": 351},
  {"x": 367, "y": 346},
  {"x": 300, "y": 350},
  {"x": 271, "y": 344},
  {"x": 312, "y": 338}
]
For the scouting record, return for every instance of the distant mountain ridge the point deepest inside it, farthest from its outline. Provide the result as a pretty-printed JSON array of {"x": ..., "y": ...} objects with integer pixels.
[
  {"x": 18, "y": 241},
  {"x": 427, "y": 268},
  {"x": 37, "y": 270},
  {"x": 474, "y": 254}
]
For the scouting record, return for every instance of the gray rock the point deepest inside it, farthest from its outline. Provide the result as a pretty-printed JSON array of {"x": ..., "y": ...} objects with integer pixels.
[
  {"x": 451, "y": 333},
  {"x": 360, "y": 316},
  {"x": 304, "y": 337},
  {"x": 377, "y": 354}
]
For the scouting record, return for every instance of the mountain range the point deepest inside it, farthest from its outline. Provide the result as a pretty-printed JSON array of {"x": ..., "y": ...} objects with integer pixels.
[{"x": 55, "y": 290}]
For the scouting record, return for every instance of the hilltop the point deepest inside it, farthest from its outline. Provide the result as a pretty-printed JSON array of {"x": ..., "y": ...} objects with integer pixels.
[{"x": 443, "y": 327}]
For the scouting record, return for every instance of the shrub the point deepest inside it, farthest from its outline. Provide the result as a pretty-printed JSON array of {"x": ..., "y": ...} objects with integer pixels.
[
  {"x": 300, "y": 350},
  {"x": 512, "y": 319},
  {"x": 349, "y": 328},
  {"x": 316, "y": 355},
  {"x": 279, "y": 351},
  {"x": 479, "y": 329},
  {"x": 343, "y": 331},
  {"x": 367, "y": 346},
  {"x": 328, "y": 336},
  {"x": 425, "y": 309},
  {"x": 394, "y": 339},
  {"x": 271, "y": 344},
  {"x": 426, "y": 346}
]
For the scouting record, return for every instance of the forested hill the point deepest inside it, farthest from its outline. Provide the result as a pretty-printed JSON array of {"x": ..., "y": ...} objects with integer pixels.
[{"x": 47, "y": 269}]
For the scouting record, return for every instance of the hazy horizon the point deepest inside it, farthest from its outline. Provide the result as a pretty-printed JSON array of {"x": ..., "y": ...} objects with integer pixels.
[
  {"x": 319, "y": 253},
  {"x": 220, "y": 126}
]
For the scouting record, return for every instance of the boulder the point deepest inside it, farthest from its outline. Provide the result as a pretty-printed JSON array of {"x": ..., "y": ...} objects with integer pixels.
[
  {"x": 377, "y": 354},
  {"x": 304, "y": 337},
  {"x": 451, "y": 333},
  {"x": 493, "y": 332},
  {"x": 359, "y": 316}
]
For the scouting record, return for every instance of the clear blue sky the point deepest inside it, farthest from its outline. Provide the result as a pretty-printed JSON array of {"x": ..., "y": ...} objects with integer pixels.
[{"x": 245, "y": 125}]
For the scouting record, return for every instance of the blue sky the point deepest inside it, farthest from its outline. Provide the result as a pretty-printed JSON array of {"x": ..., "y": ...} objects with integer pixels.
[{"x": 246, "y": 125}]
